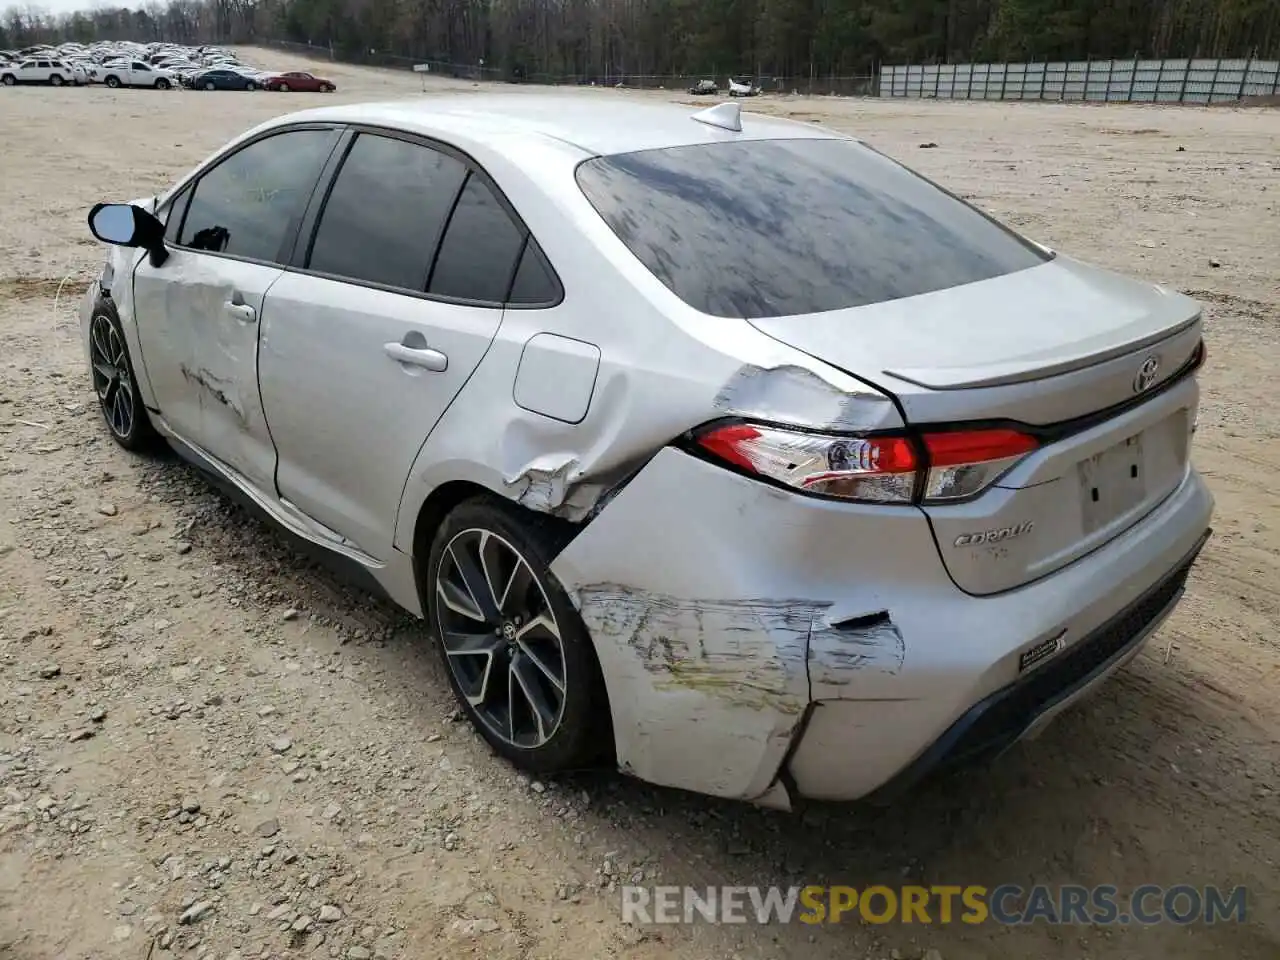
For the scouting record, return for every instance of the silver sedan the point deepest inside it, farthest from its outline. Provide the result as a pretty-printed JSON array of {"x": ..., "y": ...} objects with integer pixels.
[{"x": 718, "y": 447}]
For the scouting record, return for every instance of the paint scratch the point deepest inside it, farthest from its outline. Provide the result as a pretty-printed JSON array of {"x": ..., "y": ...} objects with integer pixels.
[
  {"x": 838, "y": 651},
  {"x": 212, "y": 385}
]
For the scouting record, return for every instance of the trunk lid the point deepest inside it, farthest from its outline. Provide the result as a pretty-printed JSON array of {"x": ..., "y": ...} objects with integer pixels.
[{"x": 1096, "y": 362}]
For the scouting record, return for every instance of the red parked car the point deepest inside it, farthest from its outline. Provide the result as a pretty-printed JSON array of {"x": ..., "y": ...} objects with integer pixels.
[{"x": 305, "y": 82}]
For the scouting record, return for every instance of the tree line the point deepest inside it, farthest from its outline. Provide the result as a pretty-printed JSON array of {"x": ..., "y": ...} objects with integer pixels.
[{"x": 619, "y": 38}]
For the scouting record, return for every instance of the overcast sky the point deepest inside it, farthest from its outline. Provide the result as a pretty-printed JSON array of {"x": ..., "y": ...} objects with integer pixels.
[{"x": 70, "y": 6}]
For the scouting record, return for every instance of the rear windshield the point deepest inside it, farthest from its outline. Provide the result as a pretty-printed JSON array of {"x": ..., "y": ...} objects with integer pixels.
[{"x": 772, "y": 228}]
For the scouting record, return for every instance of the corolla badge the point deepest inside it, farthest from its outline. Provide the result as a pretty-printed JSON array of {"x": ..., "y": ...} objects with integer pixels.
[
  {"x": 1146, "y": 374},
  {"x": 993, "y": 536}
]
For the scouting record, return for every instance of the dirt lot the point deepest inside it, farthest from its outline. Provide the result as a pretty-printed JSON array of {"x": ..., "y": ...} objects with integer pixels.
[{"x": 191, "y": 716}]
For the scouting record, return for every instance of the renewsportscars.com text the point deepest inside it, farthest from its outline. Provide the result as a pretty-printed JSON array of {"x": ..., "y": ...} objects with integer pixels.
[{"x": 1007, "y": 904}]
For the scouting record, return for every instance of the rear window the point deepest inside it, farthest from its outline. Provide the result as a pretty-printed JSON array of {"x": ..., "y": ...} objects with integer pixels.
[{"x": 771, "y": 228}]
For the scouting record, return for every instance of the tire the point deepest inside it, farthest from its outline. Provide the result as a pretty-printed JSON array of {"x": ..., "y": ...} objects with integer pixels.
[
  {"x": 282, "y": 87},
  {"x": 209, "y": 85},
  {"x": 56, "y": 80},
  {"x": 326, "y": 88},
  {"x": 114, "y": 383},
  {"x": 251, "y": 86},
  {"x": 8, "y": 80},
  {"x": 112, "y": 81},
  {"x": 516, "y": 656},
  {"x": 162, "y": 84}
]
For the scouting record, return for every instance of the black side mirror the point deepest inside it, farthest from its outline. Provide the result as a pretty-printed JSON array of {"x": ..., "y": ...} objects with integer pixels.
[{"x": 128, "y": 226}]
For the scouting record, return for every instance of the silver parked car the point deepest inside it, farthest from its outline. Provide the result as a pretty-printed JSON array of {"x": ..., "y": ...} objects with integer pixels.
[{"x": 714, "y": 445}]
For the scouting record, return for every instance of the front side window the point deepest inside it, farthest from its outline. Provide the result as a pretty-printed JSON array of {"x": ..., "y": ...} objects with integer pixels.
[
  {"x": 383, "y": 217},
  {"x": 478, "y": 254},
  {"x": 771, "y": 228},
  {"x": 249, "y": 203}
]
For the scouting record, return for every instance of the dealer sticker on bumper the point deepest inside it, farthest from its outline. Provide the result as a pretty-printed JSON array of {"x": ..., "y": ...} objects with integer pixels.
[{"x": 1041, "y": 651}]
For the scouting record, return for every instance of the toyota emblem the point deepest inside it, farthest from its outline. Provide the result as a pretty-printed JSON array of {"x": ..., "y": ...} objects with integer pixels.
[{"x": 1146, "y": 374}]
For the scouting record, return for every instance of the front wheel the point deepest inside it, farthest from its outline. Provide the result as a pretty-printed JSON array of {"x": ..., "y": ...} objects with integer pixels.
[
  {"x": 114, "y": 382},
  {"x": 282, "y": 87},
  {"x": 56, "y": 80},
  {"x": 517, "y": 655},
  {"x": 326, "y": 88},
  {"x": 251, "y": 86},
  {"x": 162, "y": 84},
  {"x": 210, "y": 85}
]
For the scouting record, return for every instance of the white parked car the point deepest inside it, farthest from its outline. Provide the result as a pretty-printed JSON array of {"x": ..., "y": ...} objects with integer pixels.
[
  {"x": 135, "y": 73},
  {"x": 38, "y": 70},
  {"x": 739, "y": 89},
  {"x": 714, "y": 445}
]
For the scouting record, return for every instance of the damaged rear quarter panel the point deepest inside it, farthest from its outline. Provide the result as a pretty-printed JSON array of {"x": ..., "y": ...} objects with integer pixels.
[{"x": 719, "y": 608}]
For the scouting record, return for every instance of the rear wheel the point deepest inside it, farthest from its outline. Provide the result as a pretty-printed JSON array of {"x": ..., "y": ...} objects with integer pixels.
[
  {"x": 518, "y": 657},
  {"x": 162, "y": 84},
  {"x": 112, "y": 82},
  {"x": 282, "y": 87},
  {"x": 57, "y": 80},
  {"x": 8, "y": 79},
  {"x": 114, "y": 382}
]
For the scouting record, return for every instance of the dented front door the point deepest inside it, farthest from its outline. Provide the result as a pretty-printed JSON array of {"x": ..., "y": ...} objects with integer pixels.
[{"x": 198, "y": 318}]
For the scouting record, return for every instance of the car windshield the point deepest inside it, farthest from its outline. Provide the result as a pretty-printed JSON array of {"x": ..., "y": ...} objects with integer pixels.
[{"x": 769, "y": 228}]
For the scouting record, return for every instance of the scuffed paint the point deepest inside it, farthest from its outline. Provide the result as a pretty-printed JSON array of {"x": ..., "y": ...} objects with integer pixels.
[
  {"x": 793, "y": 394},
  {"x": 837, "y": 652},
  {"x": 743, "y": 652},
  {"x": 212, "y": 385}
]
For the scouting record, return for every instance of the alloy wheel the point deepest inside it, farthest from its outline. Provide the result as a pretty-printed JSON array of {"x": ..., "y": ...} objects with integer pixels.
[
  {"x": 111, "y": 378},
  {"x": 501, "y": 638}
]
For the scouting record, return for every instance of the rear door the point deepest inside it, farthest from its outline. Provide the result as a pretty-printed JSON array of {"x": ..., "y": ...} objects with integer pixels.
[{"x": 392, "y": 307}]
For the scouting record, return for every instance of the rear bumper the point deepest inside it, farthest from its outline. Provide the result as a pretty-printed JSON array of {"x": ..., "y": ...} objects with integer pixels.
[
  {"x": 764, "y": 645},
  {"x": 1026, "y": 705}
]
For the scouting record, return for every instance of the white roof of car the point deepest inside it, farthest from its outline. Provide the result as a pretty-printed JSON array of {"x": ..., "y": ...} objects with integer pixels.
[{"x": 594, "y": 123}]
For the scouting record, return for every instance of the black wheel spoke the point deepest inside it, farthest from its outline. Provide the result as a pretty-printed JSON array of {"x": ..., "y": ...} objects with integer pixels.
[
  {"x": 459, "y": 600},
  {"x": 528, "y": 695},
  {"x": 466, "y": 559}
]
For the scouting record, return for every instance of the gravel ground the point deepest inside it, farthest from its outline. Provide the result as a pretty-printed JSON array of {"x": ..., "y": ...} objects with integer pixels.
[{"x": 209, "y": 748}]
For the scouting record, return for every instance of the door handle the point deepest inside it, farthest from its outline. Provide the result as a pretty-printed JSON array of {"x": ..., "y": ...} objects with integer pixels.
[
  {"x": 241, "y": 311},
  {"x": 432, "y": 360}
]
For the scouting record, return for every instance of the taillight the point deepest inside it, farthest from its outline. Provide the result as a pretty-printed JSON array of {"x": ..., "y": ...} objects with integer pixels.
[{"x": 879, "y": 468}]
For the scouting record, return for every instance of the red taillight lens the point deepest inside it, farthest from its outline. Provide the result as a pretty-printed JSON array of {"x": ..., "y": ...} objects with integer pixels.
[
  {"x": 965, "y": 462},
  {"x": 878, "y": 468}
]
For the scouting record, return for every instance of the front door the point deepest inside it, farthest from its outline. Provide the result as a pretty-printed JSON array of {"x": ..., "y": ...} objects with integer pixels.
[
  {"x": 199, "y": 314},
  {"x": 198, "y": 318}
]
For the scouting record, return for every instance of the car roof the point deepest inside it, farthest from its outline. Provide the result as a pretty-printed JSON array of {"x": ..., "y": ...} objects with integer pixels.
[{"x": 594, "y": 123}]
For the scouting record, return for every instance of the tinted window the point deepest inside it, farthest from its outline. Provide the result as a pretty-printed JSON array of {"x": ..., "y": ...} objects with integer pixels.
[
  {"x": 534, "y": 282},
  {"x": 781, "y": 227},
  {"x": 251, "y": 201},
  {"x": 385, "y": 211},
  {"x": 478, "y": 254}
]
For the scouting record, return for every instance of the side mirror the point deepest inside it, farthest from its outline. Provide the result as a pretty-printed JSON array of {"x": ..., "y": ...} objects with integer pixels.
[{"x": 128, "y": 226}]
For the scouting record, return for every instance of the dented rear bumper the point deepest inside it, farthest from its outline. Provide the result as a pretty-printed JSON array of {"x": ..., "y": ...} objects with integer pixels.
[{"x": 763, "y": 645}]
